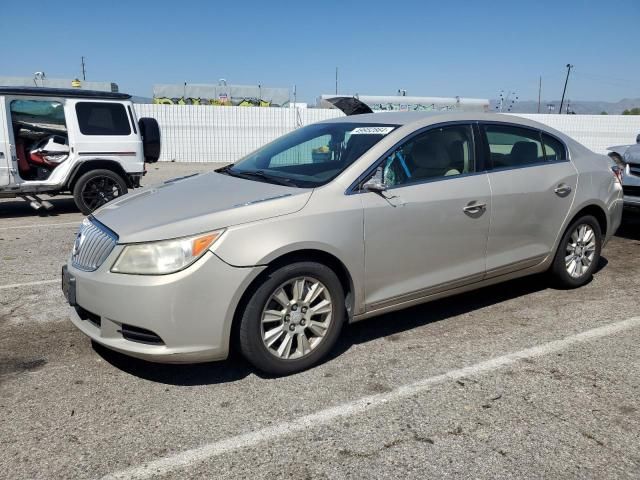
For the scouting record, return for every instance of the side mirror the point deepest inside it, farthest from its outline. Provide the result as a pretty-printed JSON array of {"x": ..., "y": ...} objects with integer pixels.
[
  {"x": 374, "y": 185},
  {"x": 638, "y": 138}
]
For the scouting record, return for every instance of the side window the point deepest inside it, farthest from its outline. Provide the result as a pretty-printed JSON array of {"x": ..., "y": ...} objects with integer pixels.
[
  {"x": 100, "y": 118},
  {"x": 554, "y": 149},
  {"x": 511, "y": 146},
  {"x": 437, "y": 153},
  {"x": 315, "y": 150}
]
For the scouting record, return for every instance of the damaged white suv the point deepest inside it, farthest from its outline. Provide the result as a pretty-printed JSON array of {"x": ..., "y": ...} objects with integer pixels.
[{"x": 85, "y": 142}]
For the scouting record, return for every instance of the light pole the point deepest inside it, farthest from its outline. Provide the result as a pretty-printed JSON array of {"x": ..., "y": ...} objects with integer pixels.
[{"x": 569, "y": 67}]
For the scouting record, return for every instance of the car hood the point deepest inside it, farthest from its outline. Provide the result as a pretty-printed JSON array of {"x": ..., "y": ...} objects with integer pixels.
[{"x": 196, "y": 204}]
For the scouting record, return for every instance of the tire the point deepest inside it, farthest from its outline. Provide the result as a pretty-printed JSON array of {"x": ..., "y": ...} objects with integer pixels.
[
  {"x": 260, "y": 341},
  {"x": 97, "y": 187},
  {"x": 577, "y": 271}
]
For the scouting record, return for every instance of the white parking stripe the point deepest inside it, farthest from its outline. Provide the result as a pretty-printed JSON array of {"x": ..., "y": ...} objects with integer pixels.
[
  {"x": 40, "y": 225},
  {"x": 186, "y": 458},
  {"x": 29, "y": 284}
]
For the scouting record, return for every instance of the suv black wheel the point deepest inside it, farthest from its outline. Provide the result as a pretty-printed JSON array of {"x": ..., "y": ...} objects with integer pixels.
[
  {"x": 578, "y": 253},
  {"x": 97, "y": 187},
  {"x": 293, "y": 319}
]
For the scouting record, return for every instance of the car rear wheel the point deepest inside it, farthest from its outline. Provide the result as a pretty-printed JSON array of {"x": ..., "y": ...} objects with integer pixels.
[
  {"x": 97, "y": 187},
  {"x": 578, "y": 253},
  {"x": 293, "y": 319}
]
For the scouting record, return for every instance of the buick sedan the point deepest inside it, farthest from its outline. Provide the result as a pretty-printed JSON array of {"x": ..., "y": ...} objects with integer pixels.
[{"x": 337, "y": 222}]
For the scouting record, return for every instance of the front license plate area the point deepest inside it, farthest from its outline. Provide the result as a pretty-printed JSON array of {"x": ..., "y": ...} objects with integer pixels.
[{"x": 69, "y": 286}]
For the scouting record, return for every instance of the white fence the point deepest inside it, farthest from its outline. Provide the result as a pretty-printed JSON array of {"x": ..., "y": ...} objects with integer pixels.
[{"x": 192, "y": 133}]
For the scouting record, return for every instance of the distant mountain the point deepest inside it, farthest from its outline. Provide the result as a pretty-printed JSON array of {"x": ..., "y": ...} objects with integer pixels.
[{"x": 579, "y": 107}]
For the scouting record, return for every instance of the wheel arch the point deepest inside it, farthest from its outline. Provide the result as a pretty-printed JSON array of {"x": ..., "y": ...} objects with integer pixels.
[
  {"x": 595, "y": 211},
  {"x": 302, "y": 255},
  {"x": 94, "y": 164}
]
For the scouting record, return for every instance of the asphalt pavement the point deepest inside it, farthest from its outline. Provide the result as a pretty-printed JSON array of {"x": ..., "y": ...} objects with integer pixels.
[{"x": 518, "y": 380}]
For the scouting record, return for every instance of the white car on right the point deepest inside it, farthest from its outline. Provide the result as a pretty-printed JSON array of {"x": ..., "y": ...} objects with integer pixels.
[{"x": 628, "y": 158}]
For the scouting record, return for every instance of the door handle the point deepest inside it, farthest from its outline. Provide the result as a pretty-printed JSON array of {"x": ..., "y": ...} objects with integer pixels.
[
  {"x": 474, "y": 208},
  {"x": 563, "y": 190}
]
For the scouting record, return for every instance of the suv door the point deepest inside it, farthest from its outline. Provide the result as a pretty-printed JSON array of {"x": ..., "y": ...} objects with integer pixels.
[
  {"x": 533, "y": 185},
  {"x": 428, "y": 232},
  {"x": 5, "y": 145}
]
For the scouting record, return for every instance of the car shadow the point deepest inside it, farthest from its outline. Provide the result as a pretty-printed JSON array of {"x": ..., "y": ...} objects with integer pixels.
[
  {"x": 209, "y": 373},
  {"x": 385, "y": 326},
  {"x": 20, "y": 208}
]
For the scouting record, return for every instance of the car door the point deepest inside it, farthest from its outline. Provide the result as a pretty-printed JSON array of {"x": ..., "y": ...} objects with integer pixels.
[
  {"x": 428, "y": 231},
  {"x": 533, "y": 185},
  {"x": 5, "y": 145}
]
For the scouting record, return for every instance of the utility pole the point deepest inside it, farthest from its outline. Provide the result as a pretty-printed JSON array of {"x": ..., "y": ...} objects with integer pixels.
[
  {"x": 84, "y": 73},
  {"x": 336, "y": 80},
  {"x": 569, "y": 67},
  {"x": 539, "y": 92}
]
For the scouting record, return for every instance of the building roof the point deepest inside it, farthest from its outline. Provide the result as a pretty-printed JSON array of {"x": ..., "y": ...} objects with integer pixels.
[{"x": 62, "y": 92}]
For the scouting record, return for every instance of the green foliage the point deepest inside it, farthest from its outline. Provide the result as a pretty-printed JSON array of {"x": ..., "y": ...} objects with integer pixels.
[
  {"x": 632, "y": 111},
  {"x": 603, "y": 113}
]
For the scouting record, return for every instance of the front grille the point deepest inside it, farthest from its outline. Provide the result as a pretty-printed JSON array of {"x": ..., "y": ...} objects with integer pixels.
[
  {"x": 92, "y": 246},
  {"x": 634, "y": 169},
  {"x": 142, "y": 335},
  {"x": 630, "y": 190}
]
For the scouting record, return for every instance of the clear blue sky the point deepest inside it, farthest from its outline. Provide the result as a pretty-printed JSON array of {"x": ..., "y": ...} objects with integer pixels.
[{"x": 444, "y": 48}]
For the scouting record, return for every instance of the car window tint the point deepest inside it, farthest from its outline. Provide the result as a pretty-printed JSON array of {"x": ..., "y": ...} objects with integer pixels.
[
  {"x": 511, "y": 146},
  {"x": 99, "y": 118},
  {"x": 437, "y": 153},
  {"x": 553, "y": 148}
]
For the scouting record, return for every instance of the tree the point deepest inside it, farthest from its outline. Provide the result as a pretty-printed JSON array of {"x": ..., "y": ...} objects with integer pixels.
[
  {"x": 633, "y": 111},
  {"x": 603, "y": 113}
]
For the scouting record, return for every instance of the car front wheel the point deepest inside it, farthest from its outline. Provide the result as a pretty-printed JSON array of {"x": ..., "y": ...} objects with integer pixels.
[
  {"x": 578, "y": 253},
  {"x": 293, "y": 319}
]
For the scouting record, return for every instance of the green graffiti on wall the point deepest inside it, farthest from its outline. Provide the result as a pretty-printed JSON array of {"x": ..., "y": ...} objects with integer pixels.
[{"x": 241, "y": 102}]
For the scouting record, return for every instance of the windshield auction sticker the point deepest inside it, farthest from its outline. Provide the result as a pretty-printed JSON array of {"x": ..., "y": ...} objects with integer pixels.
[{"x": 371, "y": 130}]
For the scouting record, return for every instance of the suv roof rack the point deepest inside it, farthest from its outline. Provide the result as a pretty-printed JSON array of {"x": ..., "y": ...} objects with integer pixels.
[{"x": 62, "y": 92}]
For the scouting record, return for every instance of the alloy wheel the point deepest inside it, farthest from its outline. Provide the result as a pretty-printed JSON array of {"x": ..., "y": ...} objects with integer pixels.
[
  {"x": 100, "y": 190},
  {"x": 296, "y": 318},
  {"x": 580, "y": 251}
]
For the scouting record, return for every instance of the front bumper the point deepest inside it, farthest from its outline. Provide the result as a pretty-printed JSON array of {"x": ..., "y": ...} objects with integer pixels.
[{"x": 190, "y": 311}]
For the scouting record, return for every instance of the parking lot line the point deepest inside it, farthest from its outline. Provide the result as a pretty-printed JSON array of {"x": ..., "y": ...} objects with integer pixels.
[
  {"x": 200, "y": 454},
  {"x": 40, "y": 225},
  {"x": 28, "y": 284}
]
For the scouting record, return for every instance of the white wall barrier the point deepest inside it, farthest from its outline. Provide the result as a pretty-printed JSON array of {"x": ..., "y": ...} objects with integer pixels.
[{"x": 192, "y": 133}]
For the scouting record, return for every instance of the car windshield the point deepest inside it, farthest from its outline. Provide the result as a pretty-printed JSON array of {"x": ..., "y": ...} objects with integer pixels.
[{"x": 310, "y": 156}]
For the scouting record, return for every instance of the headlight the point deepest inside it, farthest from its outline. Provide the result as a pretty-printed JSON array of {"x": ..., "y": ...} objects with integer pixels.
[{"x": 167, "y": 256}]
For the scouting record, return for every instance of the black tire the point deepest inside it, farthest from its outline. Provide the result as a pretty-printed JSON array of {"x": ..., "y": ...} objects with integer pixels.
[
  {"x": 97, "y": 187},
  {"x": 561, "y": 276},
  {"x": 250, "y": 339}
]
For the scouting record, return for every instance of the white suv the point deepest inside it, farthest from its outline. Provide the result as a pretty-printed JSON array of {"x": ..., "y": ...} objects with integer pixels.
[{"x": 65, "y": 140}]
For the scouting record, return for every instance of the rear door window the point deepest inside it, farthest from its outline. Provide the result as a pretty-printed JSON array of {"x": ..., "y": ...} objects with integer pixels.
[
  {"x": 100, "y": 118},
  {"x": 511, "y": 146}
]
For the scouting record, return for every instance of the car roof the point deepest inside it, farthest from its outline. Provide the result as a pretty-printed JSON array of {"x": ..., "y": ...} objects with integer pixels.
[
  {"x": 63, "y": 92},
  {"x": 417, "y": 120},
  {"x": 407, "y": 118}
]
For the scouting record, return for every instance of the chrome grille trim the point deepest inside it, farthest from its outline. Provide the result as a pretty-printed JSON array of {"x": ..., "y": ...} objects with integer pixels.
[{"x": 94, "y": 242}]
